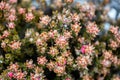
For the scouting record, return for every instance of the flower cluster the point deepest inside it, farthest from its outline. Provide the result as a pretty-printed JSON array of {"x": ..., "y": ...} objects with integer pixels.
[
  {"x": 64, "y": 46},
  {"x": 92, "y": 29}
]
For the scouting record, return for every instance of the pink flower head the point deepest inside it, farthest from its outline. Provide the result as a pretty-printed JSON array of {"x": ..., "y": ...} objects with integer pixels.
[
  {"x": 11, "y": 25},
  {"x": 61, "y": 61},
  {"x": 45, "y": 20},
  {"x": 113, "y": 44},
  {"x": 39, "y": 42},
  {"x": 42, "y": 60},
  {"x": 3, "y": 44},
  {"x": 92, "y": 29},
  {"x": 20, "y": 75},
  {"x": 21, "y": 10},
  {"x": 89, "y": 49},
  {"x": 2, "y": 5},
  {"x": 13, "y": 1},
  {"x": 14, "y": 67},
  {"x": 10, "y": 74},
  {"x": 29, "y": 17},
  {"x": 61, "y": 41},
  {"x": 50, "y": 65},
  {"x": 67, "y": 79},
  {"x": 67, "y": 34},
  {"x": 59, "y": 70},
  {"x": 83, "y": 49},
  {"x": 12, "y": 17},
  {"x": 114, "y": 30},
  {"x": 5, "y": 34},
  {"x": 53, "y": 51},
  {"x": 7, "y": 6},
  {"x": 15, "y": 45},
  {"x": 75, "y": 17},
  {"x": 12, "y": 11},
  {"x": 76, "y": 27},
  {"x": 83, "y": 61},
  {"x": 52, "y": 33}
]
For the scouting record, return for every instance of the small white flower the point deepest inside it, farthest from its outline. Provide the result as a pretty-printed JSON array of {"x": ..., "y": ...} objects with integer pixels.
[{"x": 31, "y": 39}]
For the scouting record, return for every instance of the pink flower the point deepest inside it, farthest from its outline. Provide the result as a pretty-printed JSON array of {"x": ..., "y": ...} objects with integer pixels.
[
  {"x": 113, "y": 44},
  {"x": 44, "y": 36},
  {"x": 2, "y": 5},
  {"x": 76, "y": 28},
  {"x": 3, "y": 44},
  {"x": 114, "y": 30},
  {"x": 41, "y": 60},
  {"x": 12, "y": 11},
  {"x": 83, "y": 49},
  {"x": 10, "y": 74},
  {"x": 14, "y": 67},
  {"x": 59, "y": 70},
  {"x": 52, "y": 33},
  {"x": 81, "y": 40},
  {"x": 7, "y": 6},
  {"x": 107, "y": 54},
  {"x": 106, "y": 63},
  {"x": 61, "y": 41},
  {"x": 21, "y": 10},
  {"x": 13, "y": 1},
  {"x": 20, "y": 75},
  {"x": 29, "y": 17},
  {"x": 61, "y": 61},
  {"x": 50, "y": 65},
  {"x": 45, "y": 20},
  {"x": 117, "y": 36},
  {"x": 5, "y": 34},
  {"x": 12, "y": 17},
  {"x": 75, "y": 17},
  {"x": 83, "y": 61},
  {"x": 89, "y": 49},
  {"x": 67, "y": 79},
  {"x": 11, "y": 25},
  {"x": 15, "y": 45},
  {"x": 92, "y": 29},
  {"x": 29, "y": 64},
  {"x": 53, "y": 51},
  {"x": 67, "y": 34},
  {"x": 39, "y": 42}
]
